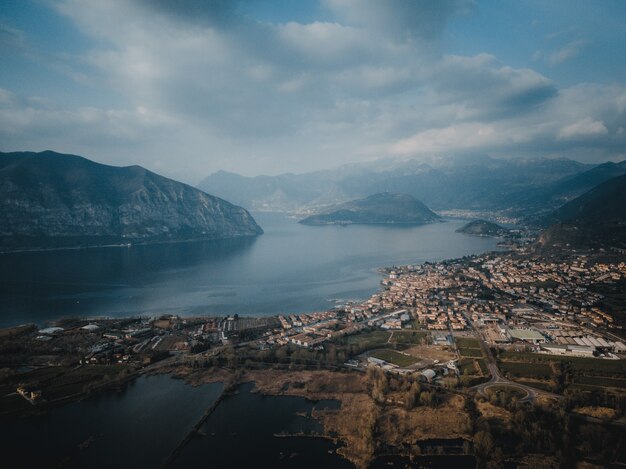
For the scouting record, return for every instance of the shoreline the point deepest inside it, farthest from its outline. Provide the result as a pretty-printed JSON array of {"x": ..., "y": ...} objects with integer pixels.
[{"x": 124, "y": 245}]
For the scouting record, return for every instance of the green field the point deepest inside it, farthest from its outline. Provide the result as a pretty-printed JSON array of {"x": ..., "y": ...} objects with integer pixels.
[
  {"x": 466, "y": 366},
  {"x": 467, "y": 342},
  {"x": 526, "y": 370},
  {"x": 367, "y": 340},
  {"x": 601, "y": 381},
  {"x": 471, "y": 352},
  {"x": 408, "y": 337},
  {"x": 393, "y": 357},
  {"x": 544, "y": 386},
  {"x": 582, "y": 366}
]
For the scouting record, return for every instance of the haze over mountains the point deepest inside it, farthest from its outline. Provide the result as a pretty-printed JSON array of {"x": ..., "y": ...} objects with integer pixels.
[
  {"x": 521, "y": 187},
  {"x": 51, "y": 200}
]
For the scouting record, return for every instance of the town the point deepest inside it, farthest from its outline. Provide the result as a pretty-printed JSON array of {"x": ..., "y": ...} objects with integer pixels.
[
  {"x": 466, "y": 341},
  {"x": 440, "y": 321}
]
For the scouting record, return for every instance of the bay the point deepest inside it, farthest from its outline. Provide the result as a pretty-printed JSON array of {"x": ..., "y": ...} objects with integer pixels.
[{"x": 290, "y": 268}]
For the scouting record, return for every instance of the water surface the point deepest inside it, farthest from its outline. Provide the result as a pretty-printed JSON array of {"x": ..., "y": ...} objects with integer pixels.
[
  {"x": 241, "y": 433},
  {"x": 136, "y": 427},
  {"x": 290, "y": 268}
]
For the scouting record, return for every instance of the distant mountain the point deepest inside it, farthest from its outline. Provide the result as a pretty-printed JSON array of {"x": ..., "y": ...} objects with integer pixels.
[
  {"x": 49, "y": 200},
  {"x": 384, "y": 208},
  {"x": 568, "y": 188},
  {"x": 483, "y": 228},
  {"x": 571, "y": 187},
  {"x": 596, "y": 218},
  {"x": 480, "y": 183}
]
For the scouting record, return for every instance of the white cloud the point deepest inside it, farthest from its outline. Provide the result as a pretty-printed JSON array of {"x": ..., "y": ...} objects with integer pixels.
[
  {"x": 586, "y": 127},
  {"x": 566, "y": 53},
  {"x": 222, "y": 91},
  {"x": 421, "y": 19}
]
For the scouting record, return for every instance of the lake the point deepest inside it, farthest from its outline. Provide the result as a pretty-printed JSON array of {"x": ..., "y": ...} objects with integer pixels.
[
  {"x": 136, "y": 427},
  {"x": 141, "y": 425},
  {"x": 290, "y": 268}
]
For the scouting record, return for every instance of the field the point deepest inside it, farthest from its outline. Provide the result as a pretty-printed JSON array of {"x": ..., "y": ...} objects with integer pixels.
[
  {"x": 367, "y": 340},
  {"x": 393, "y": 357},
  {"x": 468, "y": 347},
  {"x": 409, "y": 337},
  {"x": 467, "y": 342},
  {"x": 468, "y": 370},
  {"x": 526, "y": 370},
  {"x": 587, "y": 374},
  {"x": 470, "y": 352},
  {"x": 601, "y": 381},
  {"x": 543, "y": 385},
  {"x": 583, "y": 366},
  {"x": 431, "y": 352}
]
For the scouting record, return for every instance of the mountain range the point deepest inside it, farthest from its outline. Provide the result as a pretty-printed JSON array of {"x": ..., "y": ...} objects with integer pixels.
[
  {"x": 49, "y": 199},
  {"x": 520, "y": 187}
]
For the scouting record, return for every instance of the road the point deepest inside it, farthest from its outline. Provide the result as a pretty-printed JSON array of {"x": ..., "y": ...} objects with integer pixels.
[{"x": 499, "y": 381}]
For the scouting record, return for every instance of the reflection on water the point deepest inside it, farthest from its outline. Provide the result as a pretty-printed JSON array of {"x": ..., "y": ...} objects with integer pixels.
[
  {"x": 142, "y": 425},
  {"x": 290, "y": 268},
  {"x": 138, "y": 427},
  {"x": 241, "y": 433}
]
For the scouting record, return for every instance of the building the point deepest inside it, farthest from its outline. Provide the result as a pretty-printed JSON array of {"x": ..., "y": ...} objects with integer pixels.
[
  {"x": 576, "y": 350},
  {"x": 527, "y": 335}
]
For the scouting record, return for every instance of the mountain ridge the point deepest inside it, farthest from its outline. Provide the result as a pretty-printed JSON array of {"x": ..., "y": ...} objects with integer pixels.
[
  {"x": 595, "y": 219},
  {"x": 49, "y": 199},
  {"x": 481, "y": 183}
]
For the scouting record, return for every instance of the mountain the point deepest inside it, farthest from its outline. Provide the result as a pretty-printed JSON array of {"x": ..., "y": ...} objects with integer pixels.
[
  {"x": 49, "y": 199},
  {"x": 480, "y": 183},
  {"x": 596, "y": 218},
  {"x": 483, "y": 228},
  {"x": 571, "y": 187},
  {"x": 568, "y": 188},
  {"x": 384, "y": 208}
]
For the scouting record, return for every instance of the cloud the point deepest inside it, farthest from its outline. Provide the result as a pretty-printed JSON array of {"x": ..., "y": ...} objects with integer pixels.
[
  {"x": 488, "y": 89},
  {"x": 219, "y": 90},
  {"x": 586, "y": 127},
  {"x": 566, "y": 53},
  {"x": 421, "y": 19}
]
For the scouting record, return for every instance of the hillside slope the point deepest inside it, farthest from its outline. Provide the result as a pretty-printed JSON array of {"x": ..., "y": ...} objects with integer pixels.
[{"x": 49, "y": 199}]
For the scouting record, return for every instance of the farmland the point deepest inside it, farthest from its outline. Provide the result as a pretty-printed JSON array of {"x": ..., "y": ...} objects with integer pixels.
[{"x": 393, "y": 357}]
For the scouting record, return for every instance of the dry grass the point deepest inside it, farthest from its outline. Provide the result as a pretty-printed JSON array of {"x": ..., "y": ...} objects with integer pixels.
[
  {"x": 588, "y": 465},
  {"x": 195, "y": 377},
  {"x": 360, "y": 424},
  {"x": 310, "y": 384},
  {"x": 399, "y": 426},
  {"x": 432, "y": 352},
  {"x": 604, "y": 413},
  {"x": 493, "y": 412},
  {"x": 351, "y": 424},
  {"x": 538, "y": 461}
]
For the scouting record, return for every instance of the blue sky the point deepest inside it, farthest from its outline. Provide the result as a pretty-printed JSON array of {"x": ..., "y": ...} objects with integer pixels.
[{"x": 189, "y": 87}]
